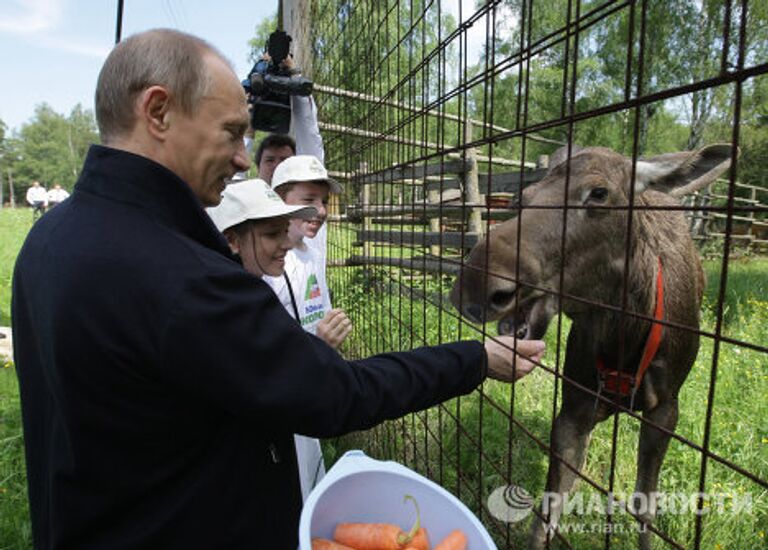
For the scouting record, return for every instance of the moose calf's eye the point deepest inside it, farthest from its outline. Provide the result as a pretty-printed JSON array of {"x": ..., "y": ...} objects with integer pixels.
[{"x": 598, "y": 194}]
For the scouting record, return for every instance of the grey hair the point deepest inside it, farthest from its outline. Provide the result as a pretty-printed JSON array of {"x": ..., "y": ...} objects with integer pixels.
[{"x": 159, "y": 57}]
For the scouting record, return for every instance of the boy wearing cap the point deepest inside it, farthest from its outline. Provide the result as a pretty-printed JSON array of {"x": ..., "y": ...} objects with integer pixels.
[{"x": 302, "y": 180}]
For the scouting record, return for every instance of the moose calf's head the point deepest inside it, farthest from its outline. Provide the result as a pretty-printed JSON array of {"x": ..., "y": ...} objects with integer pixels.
[{"x": 515, "y": 275}]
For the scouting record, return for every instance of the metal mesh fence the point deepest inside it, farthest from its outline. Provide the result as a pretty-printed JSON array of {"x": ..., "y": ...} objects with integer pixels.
[{"x": 438, "y": 116}]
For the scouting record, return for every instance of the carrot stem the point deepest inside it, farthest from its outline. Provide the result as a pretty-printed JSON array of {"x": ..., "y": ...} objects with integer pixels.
[{"x": 405, "y": 538}]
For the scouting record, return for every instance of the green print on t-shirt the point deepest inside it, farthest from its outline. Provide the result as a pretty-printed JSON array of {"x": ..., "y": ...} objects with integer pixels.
[{"x": 313, "y": 289}]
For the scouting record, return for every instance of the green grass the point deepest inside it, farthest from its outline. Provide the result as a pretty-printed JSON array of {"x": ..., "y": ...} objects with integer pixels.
[
  {"x": 385, "y": 321},
  {"x": 15, "y": 530},
  {"x": 431, "y": 442},
  {"x": 14, "y": 225}
]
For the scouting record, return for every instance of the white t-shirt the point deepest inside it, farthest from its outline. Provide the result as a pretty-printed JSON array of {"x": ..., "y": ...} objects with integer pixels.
[
  {"x": 37, "y": 194},
  {"x": 306, "y": 272},
  {"x": 57, "y": 195}
]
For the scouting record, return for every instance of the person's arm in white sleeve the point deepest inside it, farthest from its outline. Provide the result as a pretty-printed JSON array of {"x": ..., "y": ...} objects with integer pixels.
[{"x": 306, "y": 130}]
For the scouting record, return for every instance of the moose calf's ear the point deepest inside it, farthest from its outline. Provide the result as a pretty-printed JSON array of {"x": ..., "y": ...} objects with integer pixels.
[
  {"x": 683, "y": 173},
  {"x": 561, "y": 155}
]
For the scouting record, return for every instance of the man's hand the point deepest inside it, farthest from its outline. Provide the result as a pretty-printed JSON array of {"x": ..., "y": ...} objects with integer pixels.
[
  {"x": 334, "y": 327},
  {"x": 502, "y": 360}
]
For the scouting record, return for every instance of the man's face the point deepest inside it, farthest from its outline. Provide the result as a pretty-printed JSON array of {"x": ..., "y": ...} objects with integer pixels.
[
  {"x": 307, "y": 193},
  {"x": 206, "y": 147},
  {"x": 270, "y": 158}
]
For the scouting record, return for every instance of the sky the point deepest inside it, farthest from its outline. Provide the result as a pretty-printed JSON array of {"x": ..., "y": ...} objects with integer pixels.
[{"x": 52, "y": 50}]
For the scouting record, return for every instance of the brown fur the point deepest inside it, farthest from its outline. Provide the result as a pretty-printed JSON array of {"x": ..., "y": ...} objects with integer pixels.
[{"x": 593, "y": 264}]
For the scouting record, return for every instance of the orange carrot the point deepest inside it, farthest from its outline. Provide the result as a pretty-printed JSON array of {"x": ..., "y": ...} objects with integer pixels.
[
  {"x": 456, "y": 540},
  {"x": 420, "y": 541},
  {"x": 368, "y": 536},
  {"x": 325, "y": 544}
]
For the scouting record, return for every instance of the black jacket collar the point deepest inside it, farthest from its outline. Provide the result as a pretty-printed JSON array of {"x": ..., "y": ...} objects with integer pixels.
[{"x": 125, "y": 177}]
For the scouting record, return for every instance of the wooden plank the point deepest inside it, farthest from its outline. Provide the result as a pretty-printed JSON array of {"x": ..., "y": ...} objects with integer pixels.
[
  {"x": 426, "y": 238},
  {"x": 507, "y": 182},
  {"x": 418, "y": 172},
  {"x": 355, "y": 214},
  {"x": 421, "y": 263},
  {"x": 416, "y": 220}
]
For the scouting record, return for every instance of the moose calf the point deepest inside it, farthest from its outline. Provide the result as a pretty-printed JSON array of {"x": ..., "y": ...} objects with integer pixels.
[{"x": 622, "y": 355}]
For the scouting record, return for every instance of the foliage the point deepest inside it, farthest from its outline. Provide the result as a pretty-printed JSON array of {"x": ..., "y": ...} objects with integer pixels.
[
  {"x": 14, "y": 225},
  {"x": 49, "y": 148},
  {"x": 258, "y": 43},
  {"x": 389, "y": 313},
  {"x": 15, "y": 529}
]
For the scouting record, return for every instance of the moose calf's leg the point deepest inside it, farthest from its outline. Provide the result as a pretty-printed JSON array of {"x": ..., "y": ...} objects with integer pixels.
[
  {"x": 651, "y": 451},
  {"x": 570, "y": 438}
]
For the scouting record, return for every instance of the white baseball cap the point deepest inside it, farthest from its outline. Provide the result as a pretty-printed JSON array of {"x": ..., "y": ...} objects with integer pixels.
[
  {"x": 253, "y": 200},
  {"x": 300, "y": 168}
]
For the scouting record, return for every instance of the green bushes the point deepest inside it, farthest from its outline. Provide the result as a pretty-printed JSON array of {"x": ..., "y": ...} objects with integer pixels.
[{"x": 443, "y": 443}]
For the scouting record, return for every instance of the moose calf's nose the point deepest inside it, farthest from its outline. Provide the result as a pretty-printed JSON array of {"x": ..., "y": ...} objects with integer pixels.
[{"x": 474, "y": 312}]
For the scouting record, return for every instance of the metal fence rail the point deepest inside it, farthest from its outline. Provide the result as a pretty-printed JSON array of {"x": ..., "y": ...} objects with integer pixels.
[{"x": 438, "y": 114}]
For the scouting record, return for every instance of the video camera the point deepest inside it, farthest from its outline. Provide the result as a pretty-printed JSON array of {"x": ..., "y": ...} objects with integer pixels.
[{"x": 269, "y": 87}]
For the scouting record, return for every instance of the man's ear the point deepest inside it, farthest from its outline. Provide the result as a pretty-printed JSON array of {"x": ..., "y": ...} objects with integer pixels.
[{"x": 154, "y": 107}]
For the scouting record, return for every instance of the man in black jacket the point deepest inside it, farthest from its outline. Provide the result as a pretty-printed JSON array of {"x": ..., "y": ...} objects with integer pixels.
[{"x": 160, "y": 382}]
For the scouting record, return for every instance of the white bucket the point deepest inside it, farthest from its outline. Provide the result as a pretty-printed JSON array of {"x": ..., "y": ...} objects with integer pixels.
[{"x": 360, "y": 489}]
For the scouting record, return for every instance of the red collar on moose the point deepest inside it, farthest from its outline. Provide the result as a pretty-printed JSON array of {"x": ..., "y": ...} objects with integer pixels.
[{"x": 625, "y": 383}]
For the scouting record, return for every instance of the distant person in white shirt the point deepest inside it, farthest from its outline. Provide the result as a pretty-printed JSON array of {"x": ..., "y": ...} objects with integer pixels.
[
  {"x": 56, "y": 195},
  {"x": 37, "y": 198}
]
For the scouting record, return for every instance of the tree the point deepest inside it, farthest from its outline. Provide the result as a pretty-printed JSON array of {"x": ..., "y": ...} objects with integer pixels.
[
  {"x": 258, "y": 43},
  {"x": 51, "y": 148}
]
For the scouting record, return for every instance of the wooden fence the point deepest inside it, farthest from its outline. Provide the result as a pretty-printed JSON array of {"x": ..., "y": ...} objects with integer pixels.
[{"x": 453, "y": 204}]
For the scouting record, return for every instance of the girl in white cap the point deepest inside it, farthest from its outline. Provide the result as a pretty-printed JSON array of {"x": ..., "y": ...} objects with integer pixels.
[{"x": 255, "y": 221}]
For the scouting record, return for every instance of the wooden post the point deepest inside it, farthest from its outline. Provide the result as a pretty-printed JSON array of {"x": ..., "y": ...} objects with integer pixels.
[
  {"x": 296, "y": 17},
  {"x": 471, "y": 178},
  {"x": 367, "y": 225},
  {"x": 10, "y": 189},
  {"x": 753, "y": 198},
  {"x": 433, "y": 197}
]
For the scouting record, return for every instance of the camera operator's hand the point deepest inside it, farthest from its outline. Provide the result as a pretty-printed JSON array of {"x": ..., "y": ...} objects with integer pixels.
[
  {"x": 288, "y": 63},
  {"x": 501, "y": 358}
]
